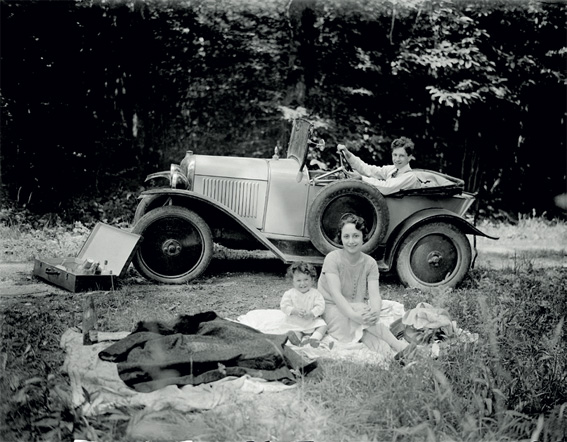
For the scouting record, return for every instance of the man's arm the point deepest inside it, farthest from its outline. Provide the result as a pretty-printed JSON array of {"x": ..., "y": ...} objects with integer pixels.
[
  {"x": 379, "y": 172},
  {"x": 392, "y": 185},
  {"x": 368, "y": 170}
]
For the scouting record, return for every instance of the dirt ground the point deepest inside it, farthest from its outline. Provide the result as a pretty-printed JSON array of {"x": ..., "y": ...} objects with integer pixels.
[
  {"x": 254, "y": 277},
  {"x": 249, "y": 282}
]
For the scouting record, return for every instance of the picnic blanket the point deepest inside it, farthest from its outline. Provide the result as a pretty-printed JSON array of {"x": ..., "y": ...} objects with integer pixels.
[{"x": 97, "y": 386}]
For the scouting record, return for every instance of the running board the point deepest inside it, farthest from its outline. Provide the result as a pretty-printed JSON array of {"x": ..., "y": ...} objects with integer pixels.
[{"x": 316, "y": 260}]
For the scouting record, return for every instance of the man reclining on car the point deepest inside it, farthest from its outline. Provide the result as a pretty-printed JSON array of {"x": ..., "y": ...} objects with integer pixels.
[{"x": 387, "y": 179}]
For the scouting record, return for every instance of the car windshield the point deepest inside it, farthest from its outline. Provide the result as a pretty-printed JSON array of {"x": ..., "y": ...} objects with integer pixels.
[{"x": 298, "y": 141}]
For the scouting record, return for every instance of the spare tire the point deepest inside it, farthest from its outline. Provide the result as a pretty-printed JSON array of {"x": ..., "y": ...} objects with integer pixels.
[{"x": 347, "y": 196}]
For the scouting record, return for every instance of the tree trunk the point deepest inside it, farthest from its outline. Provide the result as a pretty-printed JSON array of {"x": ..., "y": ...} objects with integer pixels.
[{"x": 301, "y": 60}]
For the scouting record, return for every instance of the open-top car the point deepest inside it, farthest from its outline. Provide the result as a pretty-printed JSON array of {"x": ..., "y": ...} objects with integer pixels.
[{"x": 279, "y": 204}]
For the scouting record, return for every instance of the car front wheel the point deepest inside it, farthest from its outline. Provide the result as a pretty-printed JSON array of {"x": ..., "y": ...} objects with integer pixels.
[
  {"x": 434, "y": 255},
  {"x": 177, "y": 245}
]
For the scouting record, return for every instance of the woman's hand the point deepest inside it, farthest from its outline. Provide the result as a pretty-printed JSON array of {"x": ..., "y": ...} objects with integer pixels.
[
  {"x": 370, "y": 317},
  {"x": 365, "y": 316},
  {"x": 358, "y": 317},
  {"x": 367, "y": 319}
]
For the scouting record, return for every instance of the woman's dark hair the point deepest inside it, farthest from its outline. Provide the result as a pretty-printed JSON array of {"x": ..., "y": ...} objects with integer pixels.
[
  {"x": 302, "y": 267},
  {"x": 351, "y": 218},
  {"x": 404, "y": 143}
]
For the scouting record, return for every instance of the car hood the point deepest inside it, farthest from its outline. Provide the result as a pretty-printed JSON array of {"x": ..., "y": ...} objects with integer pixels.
[{"x": 231, "y": 167}]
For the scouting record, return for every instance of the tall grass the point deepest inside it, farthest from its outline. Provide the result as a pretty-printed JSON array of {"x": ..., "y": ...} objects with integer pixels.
[
  {"x": 509, "y": 385},
  {"x": 19, "y": 244},
  {"x": 24, "y": 235},
  {"x": 529, "y": 232}
]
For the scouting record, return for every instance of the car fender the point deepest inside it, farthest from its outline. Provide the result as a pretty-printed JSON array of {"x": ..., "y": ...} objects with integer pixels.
[
  {"x": 423, "y": 217},
  {"x": 207, "y": 208}
]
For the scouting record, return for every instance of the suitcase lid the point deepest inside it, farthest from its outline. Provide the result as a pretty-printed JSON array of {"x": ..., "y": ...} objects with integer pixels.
[{"x": 108, "y": 243}]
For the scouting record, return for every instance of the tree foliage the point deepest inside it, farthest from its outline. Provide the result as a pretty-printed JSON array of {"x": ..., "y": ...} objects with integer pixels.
[{"x": 95, "y": 93}]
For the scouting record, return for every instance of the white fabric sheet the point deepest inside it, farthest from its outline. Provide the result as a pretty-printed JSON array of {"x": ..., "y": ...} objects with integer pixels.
[
  {"x": 274, "y": 321},
  {"x": 106, "y": 390}
]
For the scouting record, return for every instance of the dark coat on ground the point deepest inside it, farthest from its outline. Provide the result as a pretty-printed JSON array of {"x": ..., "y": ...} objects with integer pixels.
[{"x": 201, "y": 348}]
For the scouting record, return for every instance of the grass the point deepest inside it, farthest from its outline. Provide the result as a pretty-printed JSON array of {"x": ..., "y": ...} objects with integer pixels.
[
  {"x": 22, "y": 243},
  {"x": 498, "y": 389},
  {"x": 509, "y": 386},
  {"x": 529, "y": 233}
]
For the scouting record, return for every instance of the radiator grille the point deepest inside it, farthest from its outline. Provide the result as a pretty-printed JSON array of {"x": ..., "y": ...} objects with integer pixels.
[{"x": 239, "y": 195}]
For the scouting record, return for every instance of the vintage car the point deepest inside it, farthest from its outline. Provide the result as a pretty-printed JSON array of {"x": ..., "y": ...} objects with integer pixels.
[{"x": 279, "y": 204}]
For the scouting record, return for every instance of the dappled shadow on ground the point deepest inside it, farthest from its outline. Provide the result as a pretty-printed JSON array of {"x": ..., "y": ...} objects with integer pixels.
[
  {"x": 271, "y": 266},
  {"x": 220, "y": 266}
]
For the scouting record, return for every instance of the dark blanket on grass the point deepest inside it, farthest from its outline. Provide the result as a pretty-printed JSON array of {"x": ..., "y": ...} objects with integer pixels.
[{"x": 201, "y": 348}]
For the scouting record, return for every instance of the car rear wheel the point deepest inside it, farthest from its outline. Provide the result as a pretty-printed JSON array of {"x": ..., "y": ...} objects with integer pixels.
[
  {"x": 177, "y": 245},
  {"x": 347, "y": 196},
  {"x": 434, "y": 255}
]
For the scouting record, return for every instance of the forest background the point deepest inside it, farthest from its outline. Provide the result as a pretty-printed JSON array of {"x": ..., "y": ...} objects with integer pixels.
[{"x": 96, "y": 94}]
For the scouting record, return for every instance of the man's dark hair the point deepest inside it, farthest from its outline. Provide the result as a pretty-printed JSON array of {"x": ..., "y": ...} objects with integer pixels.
[{"x": 405, "y": 143}]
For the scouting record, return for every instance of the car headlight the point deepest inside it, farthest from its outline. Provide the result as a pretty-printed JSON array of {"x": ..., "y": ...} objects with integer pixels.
[
  {"x": 187, "y": 167},
  {"x": 178, "y": 179}
]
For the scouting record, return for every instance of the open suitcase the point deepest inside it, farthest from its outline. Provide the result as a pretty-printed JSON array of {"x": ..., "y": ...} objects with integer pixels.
[{"x": 111, "y": 247}]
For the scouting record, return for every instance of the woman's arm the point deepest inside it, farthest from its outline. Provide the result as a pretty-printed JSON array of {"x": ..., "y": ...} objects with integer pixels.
[
  {"x": 374, "y": 298},
  {"x": 318, "y": 303},
  {"x": 334, "y": 284}
]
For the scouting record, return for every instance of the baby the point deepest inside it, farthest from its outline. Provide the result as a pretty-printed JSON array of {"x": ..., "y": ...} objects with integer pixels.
[{"x": 305, "y": 305}]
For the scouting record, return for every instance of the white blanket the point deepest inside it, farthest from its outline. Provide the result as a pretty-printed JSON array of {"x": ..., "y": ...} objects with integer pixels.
[{"x": 276, "y": 322}]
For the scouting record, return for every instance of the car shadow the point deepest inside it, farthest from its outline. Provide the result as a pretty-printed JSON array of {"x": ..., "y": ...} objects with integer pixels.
[
  {"x": 267, "y": 265},
  {"x": 219, "y": 266}
]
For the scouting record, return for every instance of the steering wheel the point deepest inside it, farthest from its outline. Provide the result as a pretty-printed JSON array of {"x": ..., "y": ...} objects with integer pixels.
[
  {"x": 344, "y": 162},
  {"x": 343, "y": 171}
]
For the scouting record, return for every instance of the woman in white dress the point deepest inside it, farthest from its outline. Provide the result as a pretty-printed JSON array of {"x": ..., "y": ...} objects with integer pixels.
[{"x": 349, "y": 285}]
